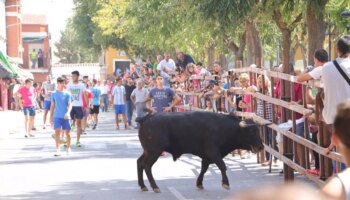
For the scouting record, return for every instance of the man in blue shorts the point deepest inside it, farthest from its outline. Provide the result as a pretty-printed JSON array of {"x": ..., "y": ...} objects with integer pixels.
[
  {"x": 61, "y": 107},
  {"x": 48, "y": 88},
  {"x": 119, "y": 98}
]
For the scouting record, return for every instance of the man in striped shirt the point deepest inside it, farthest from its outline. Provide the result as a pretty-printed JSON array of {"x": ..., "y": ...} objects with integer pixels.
[{"x": 119, "y": 99}]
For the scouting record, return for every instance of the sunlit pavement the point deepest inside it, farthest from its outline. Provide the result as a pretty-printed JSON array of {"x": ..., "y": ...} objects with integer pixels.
[{"x": 105, "y": 168}]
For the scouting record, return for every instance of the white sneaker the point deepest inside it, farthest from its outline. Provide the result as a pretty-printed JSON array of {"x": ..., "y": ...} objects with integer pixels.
[{"x": 69, "y": 151}]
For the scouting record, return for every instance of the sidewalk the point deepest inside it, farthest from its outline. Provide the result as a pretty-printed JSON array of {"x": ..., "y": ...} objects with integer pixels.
[{"x": 11, "y": 122}]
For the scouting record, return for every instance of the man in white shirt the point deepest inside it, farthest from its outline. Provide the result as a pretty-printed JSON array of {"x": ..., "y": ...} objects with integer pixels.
[
  {"x": 138, "y": 97},
  {"x": 104, "y": 95},
  {"x": 78, "y": 92},
  {"x": 336, "y": 88},
  {"x": 166, "y": 67},
  {"x": 119, "y": 98},
  {"x": 201, "y": 70},
  {"x": 320, "y": 58},
  {"x": 48, "y": 88}
]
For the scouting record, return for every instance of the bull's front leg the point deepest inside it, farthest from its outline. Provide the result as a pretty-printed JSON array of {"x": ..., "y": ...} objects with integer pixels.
[
  {"x": 221, "y": 164},
  {"x": 215, "y": 156},
  {"x": 148, "y": 163},
  {"x": 140, "y": 163},
  {"x": 204, "y": 168}
]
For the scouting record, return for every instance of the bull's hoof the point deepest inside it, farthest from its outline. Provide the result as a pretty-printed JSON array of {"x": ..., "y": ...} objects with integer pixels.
[
  {"x": 226, "y": 186},
  {"x": 156, "y": 190},
  {"x": 200, "y": 187},
  {"x": 144, "y": 189}
]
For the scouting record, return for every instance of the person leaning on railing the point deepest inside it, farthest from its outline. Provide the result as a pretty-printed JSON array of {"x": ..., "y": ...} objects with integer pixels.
[
  {"x": 314, "y": 73},
  {"x": 268, "y": 114},
  {"x": 336, "y": 82}
]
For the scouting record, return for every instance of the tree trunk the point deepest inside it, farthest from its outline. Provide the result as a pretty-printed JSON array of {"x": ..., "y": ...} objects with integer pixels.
[
  {"x": 315, "y": 27},
  {"x": 211, "y": 54},
  {"x": 254, "y": 55},
  {"x": 292, "y": 53},
  {"x": 286, "y": 44},
  {"x": 223, "y": 62},
  {"x": 232, "y": 46},
  {"x": 304, "y": 52},
  {"x": 241, "y": 48}
]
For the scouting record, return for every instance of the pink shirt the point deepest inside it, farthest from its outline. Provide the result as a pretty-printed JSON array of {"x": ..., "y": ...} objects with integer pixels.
[
  {"x": 27, "y": 96},
  {"x": 110, "y": 85},
  {"x": 246, "y": 99}
]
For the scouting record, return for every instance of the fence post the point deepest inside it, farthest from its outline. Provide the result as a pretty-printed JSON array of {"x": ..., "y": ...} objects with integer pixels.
[{"x": 287, "y": 143}]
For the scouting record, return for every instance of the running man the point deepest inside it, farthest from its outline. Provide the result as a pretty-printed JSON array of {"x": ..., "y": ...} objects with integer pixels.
[
  {"x": 48, "y": 88},
  {"x": 119, "y": 98},
  {"x": 78, "y": 93},
  {"x": 27, "y": 95},
  {"x": 96, "y": 93},
  {"x": 61, "y": 107}
]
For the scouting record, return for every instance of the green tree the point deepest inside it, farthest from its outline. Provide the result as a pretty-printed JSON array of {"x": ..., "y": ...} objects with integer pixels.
[{"x": 70, "y": 50}]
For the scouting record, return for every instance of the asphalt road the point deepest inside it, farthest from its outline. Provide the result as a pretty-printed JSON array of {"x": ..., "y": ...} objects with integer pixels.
[{"x": 105, "y": 168}]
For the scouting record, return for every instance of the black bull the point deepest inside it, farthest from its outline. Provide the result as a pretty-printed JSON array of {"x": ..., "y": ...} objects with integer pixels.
[{"x": 210, "y": 136}]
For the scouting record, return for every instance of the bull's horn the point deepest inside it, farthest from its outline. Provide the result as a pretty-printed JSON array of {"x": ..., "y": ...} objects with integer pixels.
[{"x": 244, "y": 124}]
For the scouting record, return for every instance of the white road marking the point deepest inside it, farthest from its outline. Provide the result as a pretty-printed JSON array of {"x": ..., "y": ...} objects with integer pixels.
[{"x": 176, "y": 193}]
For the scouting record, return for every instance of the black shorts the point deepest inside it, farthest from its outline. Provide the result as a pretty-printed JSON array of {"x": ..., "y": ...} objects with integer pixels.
[
  {"x": 77, "y": 112},
  {"x": 95, "y": 110}
]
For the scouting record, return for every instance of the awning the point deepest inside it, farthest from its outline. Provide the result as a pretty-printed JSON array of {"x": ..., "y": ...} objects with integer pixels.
[
  {"x": 16, "y": 71},
  {"x": 5, "y": 63},
  {"x": 24, "y": 74},
  {"x": 33, "y": 40},
  {"x": 5, "y": 72}
]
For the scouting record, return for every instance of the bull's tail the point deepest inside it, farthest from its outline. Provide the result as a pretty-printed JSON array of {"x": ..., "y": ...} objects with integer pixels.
[{"x": 147, "y": 116}]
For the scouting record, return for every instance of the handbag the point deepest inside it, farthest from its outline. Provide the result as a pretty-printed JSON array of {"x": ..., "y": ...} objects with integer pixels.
[{"x": 341, "y": 71}]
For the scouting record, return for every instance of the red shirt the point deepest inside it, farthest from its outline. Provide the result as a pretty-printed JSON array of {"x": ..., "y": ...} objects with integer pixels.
[
  {"x": 298, "y": 95},
  {"x": 110, "y": 85},
  {"x": 89, "y": 96}
]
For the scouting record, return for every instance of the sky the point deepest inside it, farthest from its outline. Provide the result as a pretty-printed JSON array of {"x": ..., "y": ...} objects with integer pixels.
[{"x": 57, "y": 12}]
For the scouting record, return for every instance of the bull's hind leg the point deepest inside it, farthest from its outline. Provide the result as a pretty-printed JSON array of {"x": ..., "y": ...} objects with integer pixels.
[
  {"x": 216, "y": 158},
  {"x": 204, "y": 168},
  {"x": 148, "y": 163},
  {"x": 140, "y": 168}
]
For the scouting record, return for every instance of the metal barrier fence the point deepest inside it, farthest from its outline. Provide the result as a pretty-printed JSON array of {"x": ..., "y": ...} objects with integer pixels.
[{"x": 193, "y": 101}]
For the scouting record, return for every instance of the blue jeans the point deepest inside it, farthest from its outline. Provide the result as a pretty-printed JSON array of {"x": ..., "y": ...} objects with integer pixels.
[
  {"x": 300, "y": 129},
  {"x": 129, "y": 109},
  {"x": 105, "y": 102},
  {"x": 34, "y": 62},
  {"x": 269, "y": 143}
]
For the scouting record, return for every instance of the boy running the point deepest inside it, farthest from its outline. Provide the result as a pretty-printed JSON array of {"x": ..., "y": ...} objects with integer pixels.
[
  {"x": 95, "y": 110},
  {"x": 61, "y": 107}
]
